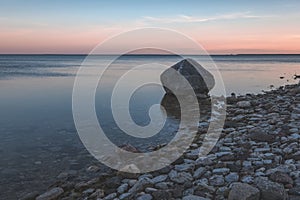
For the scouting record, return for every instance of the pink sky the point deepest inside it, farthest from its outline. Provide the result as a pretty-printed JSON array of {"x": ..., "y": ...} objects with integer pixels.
[
  {"x": 213, "y": 40},
  {"x": 230, "y": 33}
]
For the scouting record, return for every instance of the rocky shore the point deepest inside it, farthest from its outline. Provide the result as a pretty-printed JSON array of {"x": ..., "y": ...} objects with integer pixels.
[{"x": 257, "y": 157}]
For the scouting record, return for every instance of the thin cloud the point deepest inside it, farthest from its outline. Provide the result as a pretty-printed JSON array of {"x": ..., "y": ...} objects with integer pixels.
[{"x": 195, "y": 19}]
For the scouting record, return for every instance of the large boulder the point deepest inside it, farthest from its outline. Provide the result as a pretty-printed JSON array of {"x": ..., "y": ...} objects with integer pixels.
[
  {"x": 199, "y": 79},
  {"x": 243, "y": 191}
]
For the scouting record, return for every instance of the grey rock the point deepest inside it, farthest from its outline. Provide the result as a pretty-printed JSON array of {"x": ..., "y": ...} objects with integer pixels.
[
  {"x": 259, "y": 135},
  {"x": 247, "y": 164},
  {"x": 290, "y": 148},
  {"x": 53, "y": 193},
  {"x": 222, "y": 191},
  {"x": 159, "y": 178},
  {"x": 232, "y": 177},
  {"x": 184, "y": 167},
  {"x": 199, "y": 172},
  {"x": 281, "y": 177},
  {"x": 243, "y": 191},
  {"x": 99, "y": 193},
  {"x": 262, "y": 149},
  {"x": 140, "y": 185},
  {"x": 204, "y": 161},
  {"x": 145, "y": 197},
  {"x": 150, "y": 190},
  {"x": 247, "y": 179},
  {"x": 198, "y": 77},
  {"x": 270, "y": 190},
  {"x": 217, "y": 180},
  {"x": 221, "y": 171},
  {"x": 122, "y": 188},
  {"x": 162, "y": 185},
  {"x": 180, "y": 177},
  {"x": 110, "y": 196},
  {"x": 126, "y": 196}
]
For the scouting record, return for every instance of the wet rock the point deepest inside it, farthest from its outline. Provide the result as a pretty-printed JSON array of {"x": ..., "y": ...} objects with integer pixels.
[
  {"x": 53, "y": 193},
  {"x": 243, "y": 191}
]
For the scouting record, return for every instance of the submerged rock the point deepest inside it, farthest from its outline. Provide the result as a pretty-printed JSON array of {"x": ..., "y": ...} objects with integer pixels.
[{"x": 200, "y": 80}]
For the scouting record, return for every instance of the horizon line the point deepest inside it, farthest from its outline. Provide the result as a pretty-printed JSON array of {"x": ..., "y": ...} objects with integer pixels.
[{"x": 149, "y": 54}]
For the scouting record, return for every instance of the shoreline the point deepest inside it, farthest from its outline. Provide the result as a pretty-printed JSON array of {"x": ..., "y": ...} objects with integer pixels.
[{"x": 256, "y": 157}]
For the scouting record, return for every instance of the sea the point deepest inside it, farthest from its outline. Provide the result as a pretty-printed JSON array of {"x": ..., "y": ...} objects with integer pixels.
[{"x": 38, "y": 138}]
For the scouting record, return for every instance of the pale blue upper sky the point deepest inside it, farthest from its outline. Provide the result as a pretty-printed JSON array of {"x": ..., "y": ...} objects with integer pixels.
[{"x": 36, "y": 18}]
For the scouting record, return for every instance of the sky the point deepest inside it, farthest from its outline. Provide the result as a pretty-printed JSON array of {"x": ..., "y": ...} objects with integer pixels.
[{"x": 221, "y": 27}]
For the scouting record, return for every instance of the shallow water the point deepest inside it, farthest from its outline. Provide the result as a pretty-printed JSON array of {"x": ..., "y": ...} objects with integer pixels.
[{"x": 38, "y": 139}]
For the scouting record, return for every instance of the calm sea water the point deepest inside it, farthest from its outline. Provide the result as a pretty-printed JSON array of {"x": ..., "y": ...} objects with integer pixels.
[{"x": 38, "y": 139}]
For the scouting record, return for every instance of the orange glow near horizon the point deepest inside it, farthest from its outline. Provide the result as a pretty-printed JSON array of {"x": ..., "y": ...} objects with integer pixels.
[{"x": 78, "y": 41}]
